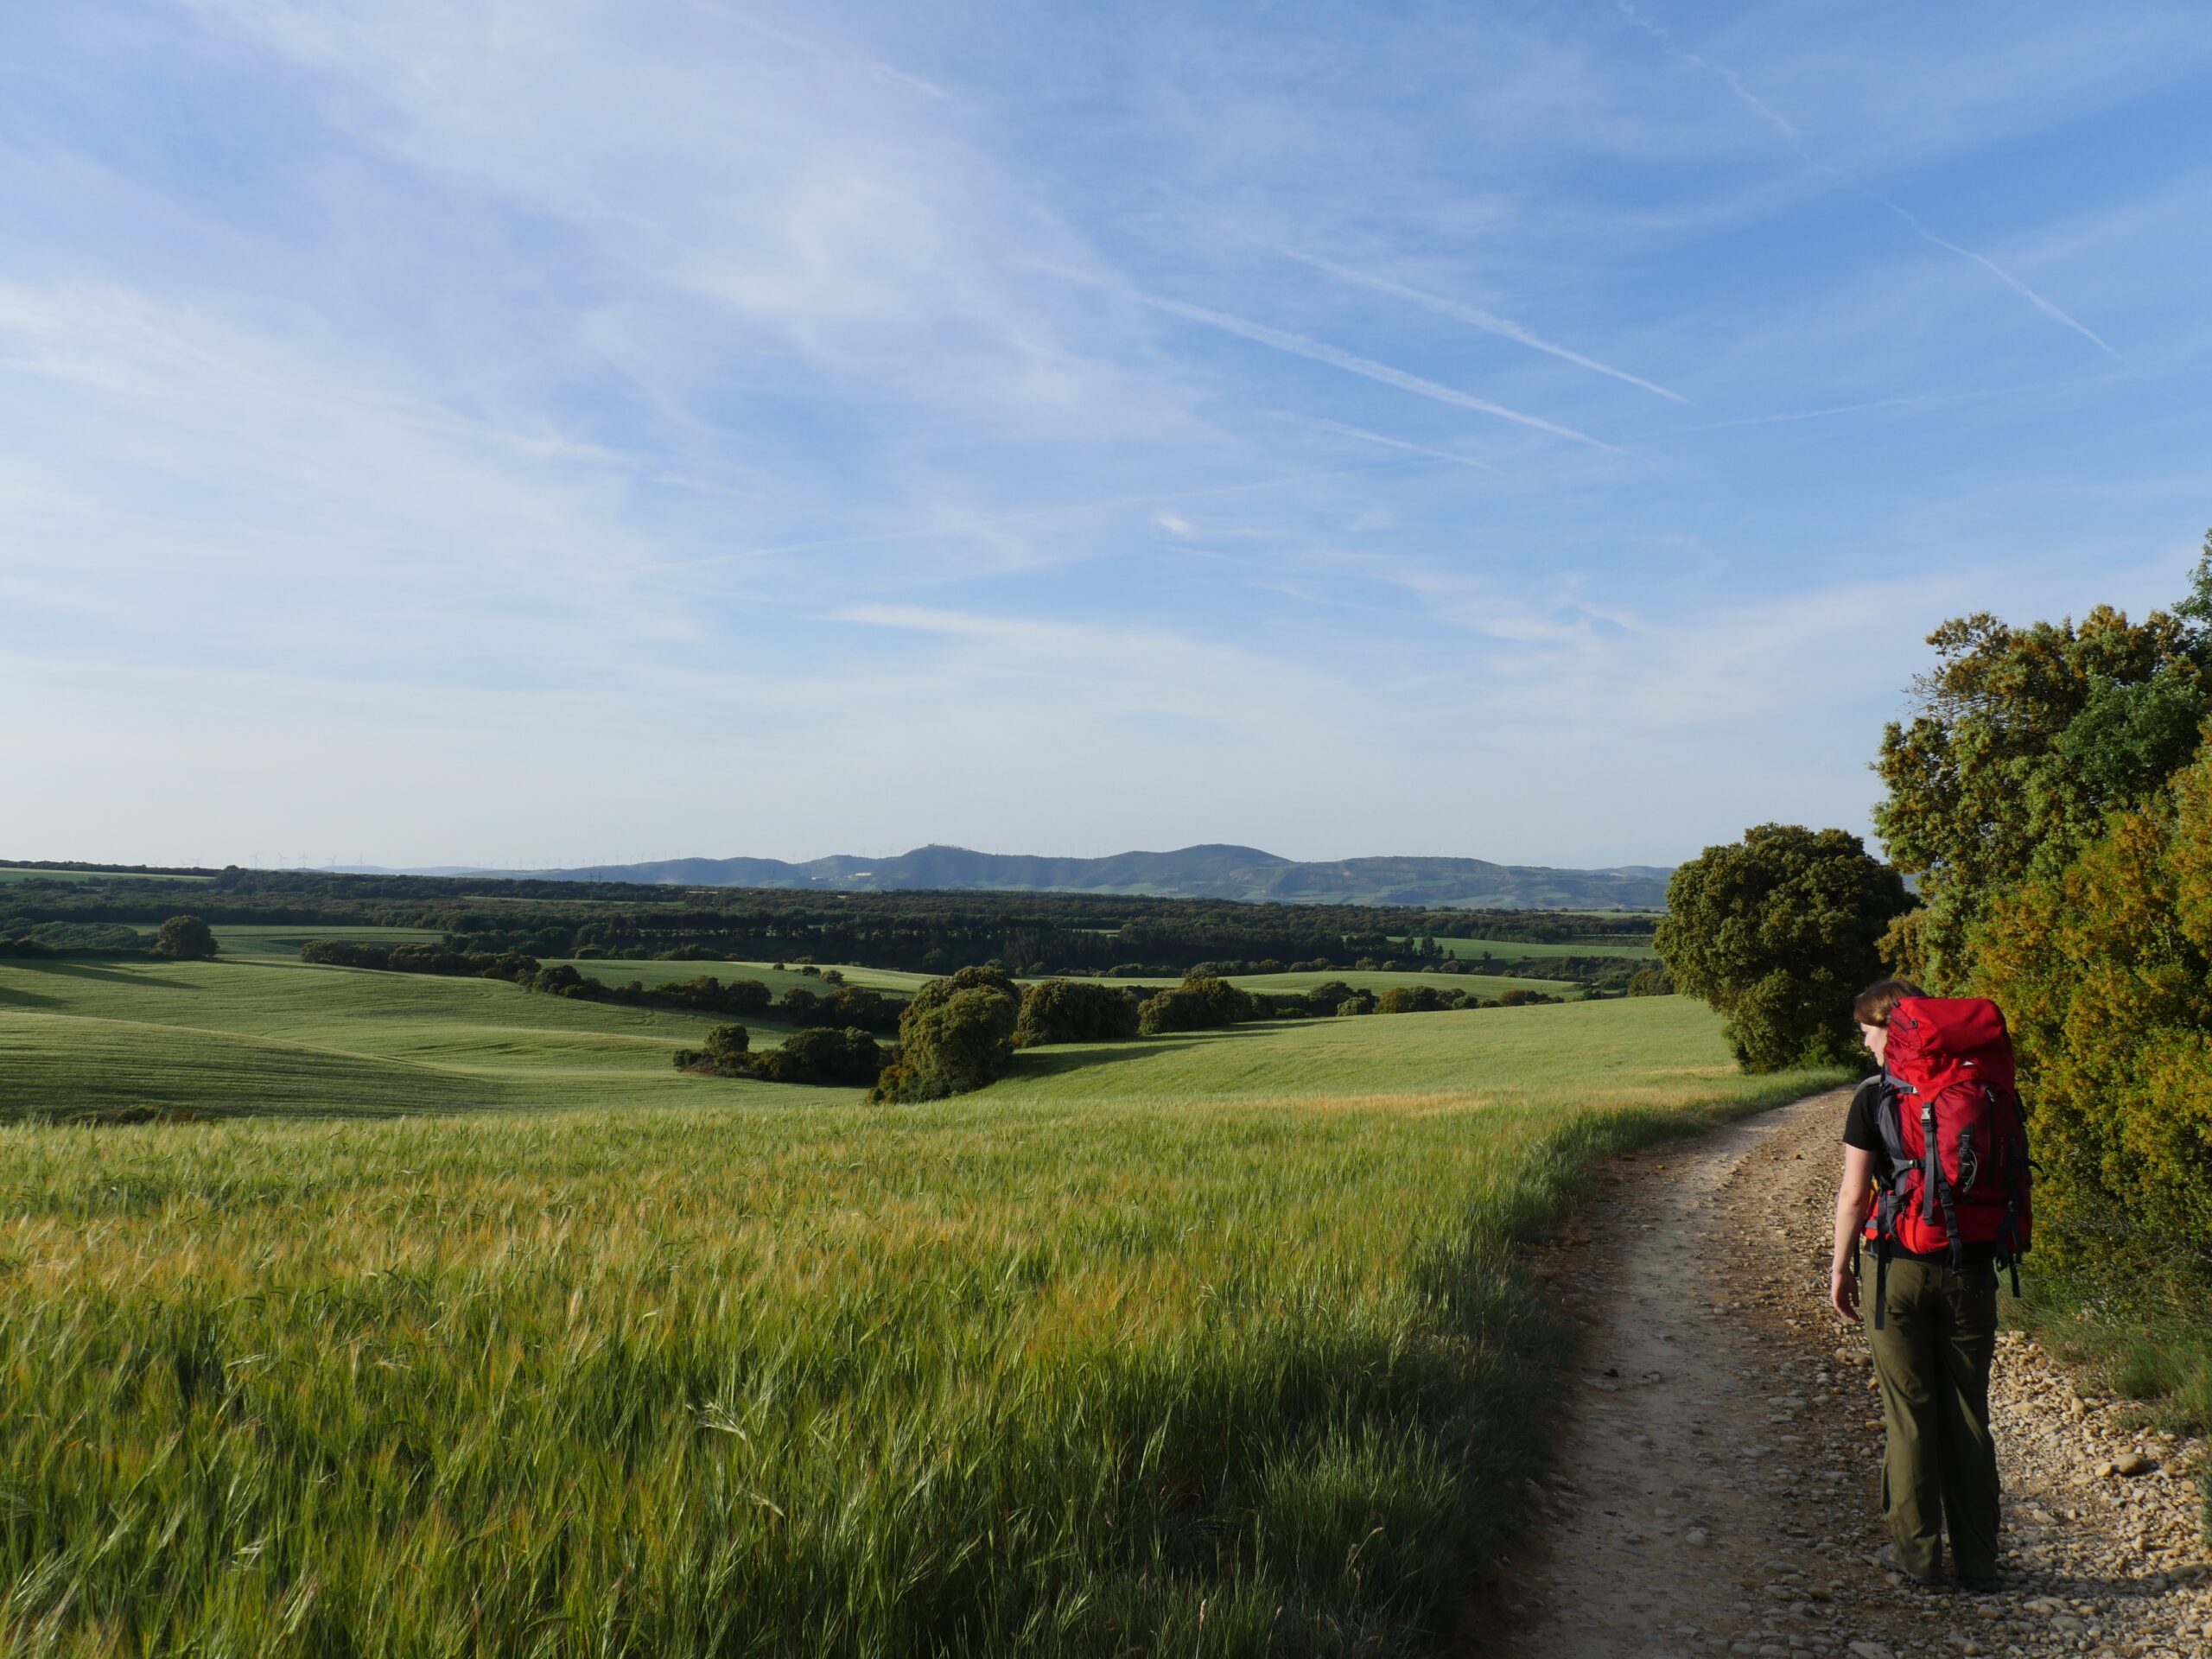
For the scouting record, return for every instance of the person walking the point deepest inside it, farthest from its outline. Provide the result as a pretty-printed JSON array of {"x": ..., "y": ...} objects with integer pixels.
[{"x": 1934, "y": 1174}]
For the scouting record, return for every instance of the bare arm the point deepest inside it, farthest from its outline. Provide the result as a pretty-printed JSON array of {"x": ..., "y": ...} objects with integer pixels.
[{"x": 1854, "y": 1199}]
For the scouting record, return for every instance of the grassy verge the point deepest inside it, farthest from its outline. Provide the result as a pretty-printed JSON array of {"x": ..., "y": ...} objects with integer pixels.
[
  {"x": 2146, "y": 1336},
  {"x": 1213, "y": 1344}
]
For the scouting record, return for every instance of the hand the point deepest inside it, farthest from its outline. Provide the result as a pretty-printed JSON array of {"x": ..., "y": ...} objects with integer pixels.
[{"x": 1843, "y": 1291}]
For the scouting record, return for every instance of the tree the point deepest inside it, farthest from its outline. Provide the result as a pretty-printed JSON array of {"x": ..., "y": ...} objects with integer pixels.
[
  {"x": 1199, "y": 1003},
  {"x": 955, "y": 1036},
  {"x": 1778, "y": 932},
  {"x": 185, "y": 938},
  {"x": 1075, "y": 1011},
  {"x": 2104, "y": 970},
  {"x": 1650, "y": 981},
  {"x": 2024, "y": 740}
]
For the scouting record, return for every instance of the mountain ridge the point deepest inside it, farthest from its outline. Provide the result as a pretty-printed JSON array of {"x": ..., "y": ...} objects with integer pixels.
[{"x": 1209, "y": 870}]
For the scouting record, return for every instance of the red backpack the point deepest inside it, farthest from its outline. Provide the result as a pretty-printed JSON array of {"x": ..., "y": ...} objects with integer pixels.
[{"x": 1956, "y": 1136}]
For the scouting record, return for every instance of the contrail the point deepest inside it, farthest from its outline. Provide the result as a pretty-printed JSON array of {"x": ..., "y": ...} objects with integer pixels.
[
  {"x": 1400, "y": 444},
  {"x": 1487, "y": 321},
  {"x": 1791, "y": 136},
  {"x": 1335, "y": 357}
]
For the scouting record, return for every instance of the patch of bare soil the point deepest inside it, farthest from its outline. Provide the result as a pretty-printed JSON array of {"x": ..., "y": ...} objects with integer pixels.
[{"x": 1719, "y": 1487}]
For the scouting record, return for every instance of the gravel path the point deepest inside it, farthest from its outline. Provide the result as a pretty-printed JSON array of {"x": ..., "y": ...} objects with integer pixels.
[{"x": 1719, "y": 1487}]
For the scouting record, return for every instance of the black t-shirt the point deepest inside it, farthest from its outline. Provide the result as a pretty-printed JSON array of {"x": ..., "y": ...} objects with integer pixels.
[{"x": 1862, "y": 1130}]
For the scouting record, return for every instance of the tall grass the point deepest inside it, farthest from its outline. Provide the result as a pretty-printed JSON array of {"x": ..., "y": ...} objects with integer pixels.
[{"x": 1126, "y": 1354}]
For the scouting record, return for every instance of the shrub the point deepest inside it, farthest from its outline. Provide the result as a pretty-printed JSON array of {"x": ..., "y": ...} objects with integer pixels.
[
  {"x": 821, "y": 1055},
  {"x": 1521, "y": 997},
  {"x": 955, "y": 1036},
  {"x": 1651, "y": 982},
  {"x": 1199, "y": 1003},
  {"x": 1778, "y": 932},
  {"x": 2104, "y": 969},
  {"x": 1358, "y": 1003},
  {"x": 561, "y": 980},
  {"x": 859, "y": 1005},
  {"x": 1416, "y": 999},
  {"x": 185, "y": 938},
  {"x": 1075, "y": 1011}
]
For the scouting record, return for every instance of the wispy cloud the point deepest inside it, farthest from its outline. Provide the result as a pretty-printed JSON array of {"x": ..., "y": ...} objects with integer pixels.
[
  {"x": 1487, "y": 321},
  {"x": 1790, "y": 134},
  {"x": 1366, "y": 436},
  {"x": 1336, "y": 357},
  {"x": 977, "y": 524}
]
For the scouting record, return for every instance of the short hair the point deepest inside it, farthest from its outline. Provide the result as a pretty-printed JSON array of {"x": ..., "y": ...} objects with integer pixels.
[{"x": 1877, "y": 1001}]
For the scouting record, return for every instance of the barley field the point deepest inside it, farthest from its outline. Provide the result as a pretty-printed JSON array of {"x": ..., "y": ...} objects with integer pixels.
[{"x": 1210, "y": 1345}]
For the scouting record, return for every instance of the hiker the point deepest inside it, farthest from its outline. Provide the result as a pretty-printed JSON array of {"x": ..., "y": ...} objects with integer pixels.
[{"x": 1935, "y": 1178}]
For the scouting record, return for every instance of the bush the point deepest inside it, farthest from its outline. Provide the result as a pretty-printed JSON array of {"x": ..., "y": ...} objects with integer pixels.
[
  {"x": 185, "y": 938},
  {"x": 858, "y": 1005},
  {"x": 561, "y": 980},
  {"x": 1199, "y": 1003},
  {"x": 2104, "y": 969},
  {"x": 1778, "y": 932},
  {"x": 955, "y": 1036},
  {"x": 850, "y": 1058},
  {"x": 1358, "y": 1003},
  {"x": 1075, "y": 1011},
  {"x": 1417, "y": 999},
  {"x": 1521, "y": 997},
  {"x": 820, "y": 1054},
  {"x": 1651, "y": 982}
]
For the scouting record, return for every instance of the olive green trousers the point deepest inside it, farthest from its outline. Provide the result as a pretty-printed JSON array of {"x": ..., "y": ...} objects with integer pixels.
[{"x": 1939, "y": 1475}]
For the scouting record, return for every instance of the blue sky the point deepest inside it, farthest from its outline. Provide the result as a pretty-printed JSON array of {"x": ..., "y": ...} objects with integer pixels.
[{"x": 534, "y": 431}]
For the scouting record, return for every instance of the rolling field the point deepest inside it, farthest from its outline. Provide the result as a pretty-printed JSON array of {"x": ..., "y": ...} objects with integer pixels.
[
  {"x": 274, "y": 1034},
  {"x": 1210, "y": 1344},
  {"x": 1523, "y": 950},
  {"x": 283, "y": 941},
  {"x": 613, "y": 971},
  {"x": 1490, "y": 985}
]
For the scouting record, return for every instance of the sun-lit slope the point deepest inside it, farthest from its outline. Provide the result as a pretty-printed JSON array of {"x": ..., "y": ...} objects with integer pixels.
[
  {"x": 1527, "y": 950},
  {"x": 283, "y": 940},
  {"x": 262, "y": 1034},
  {"x": 1131, "y": 1352},
  {"x": 1640, "y": 1050},
  {"x": 614, "y": 970},
  {"x": 1375, "y": 979}
]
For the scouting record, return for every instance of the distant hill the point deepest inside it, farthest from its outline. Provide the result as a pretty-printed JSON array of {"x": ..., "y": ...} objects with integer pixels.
[{"x": 1211, "y": 872}]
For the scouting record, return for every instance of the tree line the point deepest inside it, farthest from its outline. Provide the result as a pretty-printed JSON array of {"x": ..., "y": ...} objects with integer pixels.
[
  {"x": 858, "y": 1006},
  {"x": 959, "y": 1033},
  {"x": 913, "y": 930}
]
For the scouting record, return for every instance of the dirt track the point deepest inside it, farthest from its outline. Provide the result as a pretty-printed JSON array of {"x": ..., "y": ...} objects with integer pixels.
[{"x": 1718, "y": 1489}]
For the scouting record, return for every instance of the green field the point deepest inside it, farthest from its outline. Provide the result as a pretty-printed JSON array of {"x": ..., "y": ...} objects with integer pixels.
[
  {"x": 1488, "y": 985},
  {"x": 1207, "y": 1345},
  {"x": 1525, "y": 950},
  {"x": 272, "y": 1034},
  {"x": 264, "y": 939},
  {"x": 614, "y": 970}
]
